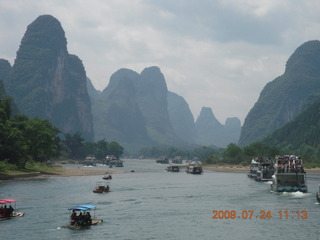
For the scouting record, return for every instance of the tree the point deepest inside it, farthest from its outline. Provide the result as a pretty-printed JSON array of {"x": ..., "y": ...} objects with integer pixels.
[
  {"x": 43, "y": 138},
  {"x": 233, "y": 154},
  {"x": 115, "y": 149},
  {"x": 13, "y": 146},
  {"x": 75, "y": 144},
  {"x": 5, "y": 109},
  {"x": 40, "y": 140},
  {"x": 103, "y": 148},
  {"x": 260, "y": 149}
]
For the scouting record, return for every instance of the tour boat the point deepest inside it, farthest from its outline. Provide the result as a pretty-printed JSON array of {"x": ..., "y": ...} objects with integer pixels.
[
  {"x": 289, "y": 175},
  {"x": 265, "y": 170},
  {"x": 80, "y": 217},
  {"x": 253, "y": 168},
  {"x": 194, "y": 169},
  {"x": 7, "y": 210},
  {"x": 173, "y": 168}
]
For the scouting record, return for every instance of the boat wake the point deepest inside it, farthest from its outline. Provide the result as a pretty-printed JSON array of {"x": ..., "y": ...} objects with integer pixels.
[{"x": 296, "y": 194}]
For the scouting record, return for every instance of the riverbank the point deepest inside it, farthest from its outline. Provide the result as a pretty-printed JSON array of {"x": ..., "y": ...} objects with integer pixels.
[
  {"x": 240, "y": 168},
  {"x": 68, "y": 172},
  {"x": 58, "y": 172},
  {"x": 226, "y": 168}
]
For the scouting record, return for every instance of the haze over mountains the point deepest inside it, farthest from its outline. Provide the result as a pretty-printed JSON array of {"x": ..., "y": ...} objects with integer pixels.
[{"x": 136, "y": 110}]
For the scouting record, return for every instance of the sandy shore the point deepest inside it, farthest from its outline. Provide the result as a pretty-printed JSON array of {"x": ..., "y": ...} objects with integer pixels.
[
  {"x": 67, "y": 172},
  {"x": 60, "y": 172},
  {"x": 226, "y": 168}
]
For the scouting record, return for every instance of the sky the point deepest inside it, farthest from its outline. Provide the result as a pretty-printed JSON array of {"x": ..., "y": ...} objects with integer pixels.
[{"x": 214, "y": 53}]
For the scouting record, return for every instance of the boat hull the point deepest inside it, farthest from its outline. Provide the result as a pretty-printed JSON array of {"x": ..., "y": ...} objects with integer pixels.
[
  {"x": 94, "y": 222},
  {"x": 298, "y": 186},
  {"x": 99, "y": 191},
  {"x": 14, "y": 215}
]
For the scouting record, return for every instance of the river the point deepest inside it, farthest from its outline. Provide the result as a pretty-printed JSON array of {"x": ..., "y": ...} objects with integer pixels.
[{"x": 151, "y": 203}]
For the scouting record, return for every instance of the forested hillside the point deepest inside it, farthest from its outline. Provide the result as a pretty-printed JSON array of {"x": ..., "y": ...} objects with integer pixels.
[{"x": 284, "y": 98}]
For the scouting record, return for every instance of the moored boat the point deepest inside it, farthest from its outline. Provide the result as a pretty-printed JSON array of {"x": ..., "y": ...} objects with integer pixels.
[
  {"x": 177, "y": 160},
  {"x": 89, "y": 161},
  {"x": 289, "y": 175},
  {"x": 112, "y": 160},
  {"x": 163, "y": 160},
  {"x": 83, "y": 219},
  {"x": 119, "y": 163},
  {"x": 7, "y": 212}
]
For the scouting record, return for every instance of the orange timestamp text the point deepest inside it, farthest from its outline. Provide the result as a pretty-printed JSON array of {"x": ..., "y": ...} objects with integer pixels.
[{"x": 251, "y": 214}]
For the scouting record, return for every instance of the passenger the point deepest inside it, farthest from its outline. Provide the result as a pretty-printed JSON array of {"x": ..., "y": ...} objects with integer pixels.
[
  {"x": 87, "y": 219},
  {"x": 6, "y": 211},
  {"x": 79, "y": 219},
  {"x": 73, "y": 217},
  {"x": 11, "y": 210}
]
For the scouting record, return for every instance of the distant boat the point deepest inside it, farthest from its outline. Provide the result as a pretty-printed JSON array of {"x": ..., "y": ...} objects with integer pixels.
[
  {"x": 163, "y": 160},
  {"x": 173, "y": 168},
  {"x": 80, "y": 217},
  {"x": 7, "y": 210},
  {"x": 119, "y": 163},
  {"x": 111, "y": 160},
  {"x": 177, "y": 160},
  {"x": 109, "y": 177},
  {"x": 102, "y": 187},
  {"x": 89, "y": 161},
  {"x": 194, "y": 169},
  {"x": 261, "y": 169},
  {"x": 289, "y": 175},
  {"x": 253, "y": 168}
]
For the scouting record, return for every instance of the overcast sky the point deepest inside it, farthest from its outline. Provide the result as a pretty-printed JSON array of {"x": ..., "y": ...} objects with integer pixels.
[{"x": 214, "y": 53}]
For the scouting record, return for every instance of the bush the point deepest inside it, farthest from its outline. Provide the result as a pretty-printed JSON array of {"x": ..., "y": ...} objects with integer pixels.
[{"x": 5, "y": 166}]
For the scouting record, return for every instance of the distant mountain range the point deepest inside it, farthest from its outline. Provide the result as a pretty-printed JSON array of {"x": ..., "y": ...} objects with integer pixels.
[{"x": 137, "y": 110}]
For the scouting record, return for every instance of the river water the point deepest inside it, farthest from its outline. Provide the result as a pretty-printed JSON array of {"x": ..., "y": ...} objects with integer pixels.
[{"x": 151, "y": 203}]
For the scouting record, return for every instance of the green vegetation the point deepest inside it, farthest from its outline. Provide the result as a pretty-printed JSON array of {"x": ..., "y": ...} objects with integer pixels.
[
  {"x": 27, "y": 144},
  {"x": 283, "y": 98},
  {"x": 300, "y": 136},
  {"x": 76, "y": 148},
  {"x": 23, "y": 139},
  {"x": 202, "y": 152},
  {"x": 233, "y": 154}
]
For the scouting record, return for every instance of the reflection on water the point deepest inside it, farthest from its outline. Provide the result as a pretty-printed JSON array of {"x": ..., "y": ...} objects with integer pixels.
[{"x": 154, "y": 204}]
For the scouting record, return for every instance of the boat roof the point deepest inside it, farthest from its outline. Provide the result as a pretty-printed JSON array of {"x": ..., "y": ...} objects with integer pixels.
[
  {"x": 3, "y": 201},
  {"x": 83, "y": 207}
]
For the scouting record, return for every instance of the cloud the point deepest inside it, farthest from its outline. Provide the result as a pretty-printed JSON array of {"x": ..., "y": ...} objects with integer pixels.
[{"x": 218, "y": 54}]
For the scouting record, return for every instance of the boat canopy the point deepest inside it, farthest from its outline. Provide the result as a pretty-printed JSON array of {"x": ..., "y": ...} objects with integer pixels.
[
  {"x": 83, "y": 207},
  {"x": 4, "y": 201}
]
